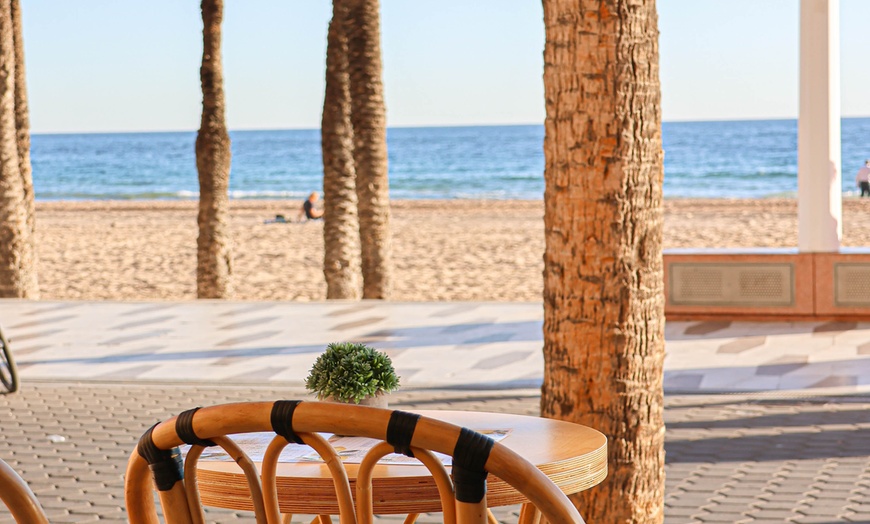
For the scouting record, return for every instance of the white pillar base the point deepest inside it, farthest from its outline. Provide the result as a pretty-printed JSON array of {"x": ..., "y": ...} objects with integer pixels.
[{"x": 820, "y": 196}]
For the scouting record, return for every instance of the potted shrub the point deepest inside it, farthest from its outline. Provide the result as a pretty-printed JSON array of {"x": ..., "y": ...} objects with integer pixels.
[{"x": 348, "y": 372}]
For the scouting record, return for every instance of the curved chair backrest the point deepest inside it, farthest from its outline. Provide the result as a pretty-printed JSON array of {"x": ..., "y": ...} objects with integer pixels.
[
  {"x": 463, "y": 497},
  {"x": 16, "y": 495}
]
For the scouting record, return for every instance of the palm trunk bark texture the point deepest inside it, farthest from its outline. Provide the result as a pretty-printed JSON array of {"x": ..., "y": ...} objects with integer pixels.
[
  {"x": 603, "y": 274},
  {"x": 17, "y": 247},
  {"x": 368, "y": 116},
  {"x": 22, "y": 125},
  {"x": 341, "y": 233},
  {"x": 214, "y": 256}
]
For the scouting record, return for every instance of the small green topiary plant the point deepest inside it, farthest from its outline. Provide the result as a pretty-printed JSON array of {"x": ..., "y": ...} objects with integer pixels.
[{"x": 349, "y": 372}]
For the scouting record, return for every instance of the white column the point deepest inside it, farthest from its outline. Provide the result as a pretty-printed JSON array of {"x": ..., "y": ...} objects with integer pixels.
[{"x": 820, "y": 199}]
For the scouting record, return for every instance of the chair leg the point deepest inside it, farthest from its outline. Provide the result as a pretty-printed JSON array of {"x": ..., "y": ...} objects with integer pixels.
[
  {"x": 322, "y": 519},
  {"x": 472, "y": 512},
  {"x": 286, "y": 518},
  {"x": 411, "y": 518},
  {"x": 529, "y": 515},
  {"x": 490, "y": 518}
]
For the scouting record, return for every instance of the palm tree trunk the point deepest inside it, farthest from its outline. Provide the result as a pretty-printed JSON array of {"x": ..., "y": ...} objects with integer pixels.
[
  {"x": 214, "y": 261},
  {"x": 341, "y": 261},
  {"x": 603, "y": 287},
  {"x": 22, "y": 125},
  {"x": 368, "y": 116},
  {"x": 17, "y": 254}
]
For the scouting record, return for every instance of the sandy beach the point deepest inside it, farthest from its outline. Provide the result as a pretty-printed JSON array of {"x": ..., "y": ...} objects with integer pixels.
[{"x": 443, "y": 250}]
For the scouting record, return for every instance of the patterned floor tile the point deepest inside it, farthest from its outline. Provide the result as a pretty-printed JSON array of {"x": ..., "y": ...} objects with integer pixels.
[{"x": 439, "y": 343}]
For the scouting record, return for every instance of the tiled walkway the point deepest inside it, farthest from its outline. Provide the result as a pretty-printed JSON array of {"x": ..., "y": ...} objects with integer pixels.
[
  {"x": 96, "y": 374},
  {"x": 758, "y": 459},
  {"x": 470, "y": 345}
]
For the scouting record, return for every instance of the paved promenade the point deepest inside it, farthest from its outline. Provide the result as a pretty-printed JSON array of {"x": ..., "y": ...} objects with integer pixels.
[
  {"x": 730, "y": 458},
  {"x": 765, "y": 422},
  {"x": 435, "y": 344}
]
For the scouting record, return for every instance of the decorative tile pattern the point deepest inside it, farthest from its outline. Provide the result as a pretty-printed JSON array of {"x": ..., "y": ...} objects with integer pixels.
[
  {"x": 248, "y": 323},
  {"x": 836, "y": 381},
  {"x": 250, "y": 337},
  {"x": 502, "y": 360},
  {"x": 439, "y": 344},
  {"x": 455, "y": 310},
  {"x": 117, "y": 341},
  {"x": 835, "y": 327},
  {"x": 782, "y": 365},
  {"x": 350, "y": 310},
  {"x": 143, "y": 322},
  {"x": 247, "y": 309},
  {"x": 705, "y": 328},
  {"x": 742, "y": 344},
  {"x": 683, "y": 381},
  {"x": 42, "y": 321},
  {"x": 358, "y": 323},
  {"x": 34, "y": 334}
]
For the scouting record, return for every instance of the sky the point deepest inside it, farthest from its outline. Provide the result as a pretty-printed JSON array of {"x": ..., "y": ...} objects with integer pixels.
[{"x": 105, "y": 65}]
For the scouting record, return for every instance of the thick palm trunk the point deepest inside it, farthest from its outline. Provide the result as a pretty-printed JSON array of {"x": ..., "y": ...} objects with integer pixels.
[
  {"x": 214, "y": 262},
  {"x": 17, "y": 256},
  {"x": 603, "y": 290},
  {"x": 341, "y": 261},
  {"x": 368, "y": 116}
]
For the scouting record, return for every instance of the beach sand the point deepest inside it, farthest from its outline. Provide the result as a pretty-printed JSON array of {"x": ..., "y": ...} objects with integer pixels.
[{"x": 443, "y": 250}]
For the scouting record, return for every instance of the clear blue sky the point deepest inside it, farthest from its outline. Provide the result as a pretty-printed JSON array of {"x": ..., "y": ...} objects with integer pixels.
[{"x": 109, "y": 65}]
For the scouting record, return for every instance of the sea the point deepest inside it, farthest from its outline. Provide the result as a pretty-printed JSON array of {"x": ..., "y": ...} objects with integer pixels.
[{"x": 733, "y": 159}]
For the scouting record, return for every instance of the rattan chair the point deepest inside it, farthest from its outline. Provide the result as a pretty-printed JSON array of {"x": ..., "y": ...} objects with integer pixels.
[
  {"x": 16, "y": 495},
  {"x": 462, "y": 494}
]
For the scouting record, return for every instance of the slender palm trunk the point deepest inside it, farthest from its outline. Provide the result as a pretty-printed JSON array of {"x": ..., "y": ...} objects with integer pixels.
[
  {"x": 603, "y": 288},
  {"x": 214, "y": 261},
  {"x": 17, "y": 253},
  {"x": 22, "y": 125},
  {"x": 341, "y": 261},
  {"x": 368, "y": 115}
]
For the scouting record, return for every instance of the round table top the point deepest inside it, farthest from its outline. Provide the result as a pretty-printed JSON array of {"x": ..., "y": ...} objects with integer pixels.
[{"x": 574, "y": 457}]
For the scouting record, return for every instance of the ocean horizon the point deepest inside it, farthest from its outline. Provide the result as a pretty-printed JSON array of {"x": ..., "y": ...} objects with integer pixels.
[{"x": 713, "y": 159}]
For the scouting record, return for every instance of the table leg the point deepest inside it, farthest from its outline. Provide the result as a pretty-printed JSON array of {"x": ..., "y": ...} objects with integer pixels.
[{"x": 529, "y": 515}]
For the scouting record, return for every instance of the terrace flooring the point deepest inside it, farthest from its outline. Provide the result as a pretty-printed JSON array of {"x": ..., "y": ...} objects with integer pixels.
[
  {"x": 432, "y": 344},
  {"x": 740, "y": 446}
]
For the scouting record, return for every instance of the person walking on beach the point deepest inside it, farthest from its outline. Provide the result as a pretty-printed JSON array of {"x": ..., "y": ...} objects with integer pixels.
[
  {"x": 863, "y": 179},
  {"x": 308, "y": 209}
]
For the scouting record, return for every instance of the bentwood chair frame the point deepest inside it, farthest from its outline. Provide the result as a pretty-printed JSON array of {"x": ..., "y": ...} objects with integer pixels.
[
  {"x": 463, "y": 494},
  {"x": 8, "y": 369},
  {"x": 17, "y": 496}
]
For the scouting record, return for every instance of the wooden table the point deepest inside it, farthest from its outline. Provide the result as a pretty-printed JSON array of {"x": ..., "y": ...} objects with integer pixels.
[{"x": 574, "y": 457}]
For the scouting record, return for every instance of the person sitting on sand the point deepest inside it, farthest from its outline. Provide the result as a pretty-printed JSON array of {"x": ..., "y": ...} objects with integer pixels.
[
  {"x": 308, "y": 210},
  {"x": 863, "y": 179}
]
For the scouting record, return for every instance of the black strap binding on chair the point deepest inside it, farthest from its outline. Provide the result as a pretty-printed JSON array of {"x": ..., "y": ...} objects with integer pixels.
[
  {"x": 282, "y": 420},
  {"x": 184, "y": 428},
  {"x": 166, "y": 465},
  {"x": 469, "y": 458},
  {"x": 400, "y": 430}
]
